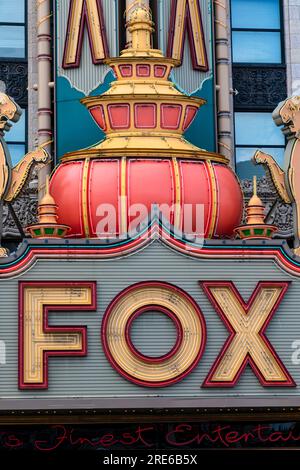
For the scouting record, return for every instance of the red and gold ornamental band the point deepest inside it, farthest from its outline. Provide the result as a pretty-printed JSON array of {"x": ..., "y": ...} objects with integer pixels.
[{"x": 145, "y": 282}]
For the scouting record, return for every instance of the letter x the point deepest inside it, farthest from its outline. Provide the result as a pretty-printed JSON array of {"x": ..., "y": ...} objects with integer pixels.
[{"x": 247, "y": 343}]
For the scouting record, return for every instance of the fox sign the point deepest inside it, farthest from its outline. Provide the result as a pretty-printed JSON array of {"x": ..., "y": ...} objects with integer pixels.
[{"x": 149, "y": 321}]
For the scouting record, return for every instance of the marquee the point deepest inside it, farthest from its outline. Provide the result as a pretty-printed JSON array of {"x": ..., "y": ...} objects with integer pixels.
[{"x": 79, "y": 322}]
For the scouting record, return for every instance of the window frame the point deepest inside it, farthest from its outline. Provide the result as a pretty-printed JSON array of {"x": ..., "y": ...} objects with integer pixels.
[
  {"x": 261, "y": 66},
  {"x": 20, "y": 142},
  {"x": 25, "y": 26},
  {"x": 22, "y": 60},
  {"x": 280, "y": 30},
  {"x": 253, "y": 145}
]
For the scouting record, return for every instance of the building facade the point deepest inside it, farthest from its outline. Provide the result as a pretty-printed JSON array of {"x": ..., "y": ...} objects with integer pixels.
[
  {"x": 262, "y": 66},
  {"x": 149, "y": 111}
]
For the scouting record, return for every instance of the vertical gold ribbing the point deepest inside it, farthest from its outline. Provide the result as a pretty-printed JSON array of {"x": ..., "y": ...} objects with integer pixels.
[
  {"x": 123, "y": 201},
  {"x": 177, "y": 211},
  {"x": 85, "y": 198},
  {"x": 214, "y": 199}
]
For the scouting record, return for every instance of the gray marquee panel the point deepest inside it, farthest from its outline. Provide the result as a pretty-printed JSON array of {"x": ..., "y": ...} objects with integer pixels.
[{"x": 93, "y": 381}]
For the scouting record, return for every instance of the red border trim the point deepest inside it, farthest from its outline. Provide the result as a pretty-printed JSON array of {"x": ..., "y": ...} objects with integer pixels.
[
  {"x": 47, "y": 329},
  {"x": 206, "y": 286},
  {"x": 168, "y": 313},
  {"x": 276, "y": 253},
  {"x": 188, "y": 26},
  {"x": 116, "y": 366},
  {"x": 84, "y": 22}
]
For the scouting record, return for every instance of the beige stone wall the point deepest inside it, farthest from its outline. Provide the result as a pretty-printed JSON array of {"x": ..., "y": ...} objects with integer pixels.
[
  {"x": 32, "y": 75},
  {"x": 292, "y": 44}
]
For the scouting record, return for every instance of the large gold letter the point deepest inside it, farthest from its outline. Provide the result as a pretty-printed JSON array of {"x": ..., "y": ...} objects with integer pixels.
[
  {"x": 162, "y": 298},
  {"x": 247, "y": 343},
  {"x": 83, "y": 12},
  {"x": 38, "y": 341},
  {"x": 186, "y": 18}
]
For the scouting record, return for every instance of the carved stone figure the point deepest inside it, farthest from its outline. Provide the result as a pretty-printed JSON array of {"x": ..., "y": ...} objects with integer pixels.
[
  {"x": 13, "y": 179},
  {"x": 287, "y": 180}
]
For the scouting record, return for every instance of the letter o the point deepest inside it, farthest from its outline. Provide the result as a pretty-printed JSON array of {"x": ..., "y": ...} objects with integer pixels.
[{"x": 191, "y": 334}]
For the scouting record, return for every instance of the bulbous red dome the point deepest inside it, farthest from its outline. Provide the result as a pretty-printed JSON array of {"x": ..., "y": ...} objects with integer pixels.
[{"x": 87, "y": 190}]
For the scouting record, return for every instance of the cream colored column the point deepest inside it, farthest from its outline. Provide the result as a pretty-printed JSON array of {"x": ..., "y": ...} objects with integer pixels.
[
  {"x": 44, "y": 57},
  {"x": 291, "y": 10},
  {"x": 130, "y": 4},
  {"x": 32, "y": 76},
  {"x": 224, "y": 83}
]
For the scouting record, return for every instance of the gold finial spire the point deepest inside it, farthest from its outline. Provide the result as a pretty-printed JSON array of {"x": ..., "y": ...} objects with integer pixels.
[
  {"x": 47, "y": 226},
  {"x": 47, "y": 199},
  {"x": 255, "y": 219},
  {"x": 254, "y": 186},
  {"x": 256, "y": 209},
  {"x": 140, "y": 27}
]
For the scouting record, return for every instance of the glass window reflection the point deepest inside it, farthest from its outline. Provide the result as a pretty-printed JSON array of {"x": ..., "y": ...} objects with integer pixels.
[
  {"x": 245, "y": 167},
  {"x": 17, "y": 131},
  {"x": 258, "y": 128},
  {"x": 256, "y": 31},
  {"x": 12, "y": 11},
  {"x": 12, "y": 41},
  {"x": 16, "y": 139},
  {"x": 256, "y": 47},
  {"x": 255, "y": 14},
  {"x": 256, "y": 131},
  {"x": 17, "y": 152}
]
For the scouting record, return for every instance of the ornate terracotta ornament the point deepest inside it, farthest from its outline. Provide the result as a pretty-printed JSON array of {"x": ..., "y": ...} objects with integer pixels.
[
  {"x": 47, "y": 226},
  {"x": 255, "y": 226},
  {"x": 144, "y": 159},
  {"x": 12, "y": 180},
  {"x": 287, "y": 181}
]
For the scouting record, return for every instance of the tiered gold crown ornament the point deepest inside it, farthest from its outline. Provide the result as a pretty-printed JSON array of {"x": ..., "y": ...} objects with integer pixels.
[
  {"x": 47, "y": 226},
  {"x": 144, "y": 157},
  {"x": 136, "y": 112},
  {"x": 255, "y": 227}
]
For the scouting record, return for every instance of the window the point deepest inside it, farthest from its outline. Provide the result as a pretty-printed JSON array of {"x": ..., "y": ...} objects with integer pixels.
[
  {"x": 254, "y": 130},
  {"x": 257, "y": 50},
  {"x": 12, "y": 52},
  {"x": 16, "y": 139},
  {"x": 12, "y": 29},
  {"x": 256, "y": 31}
]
